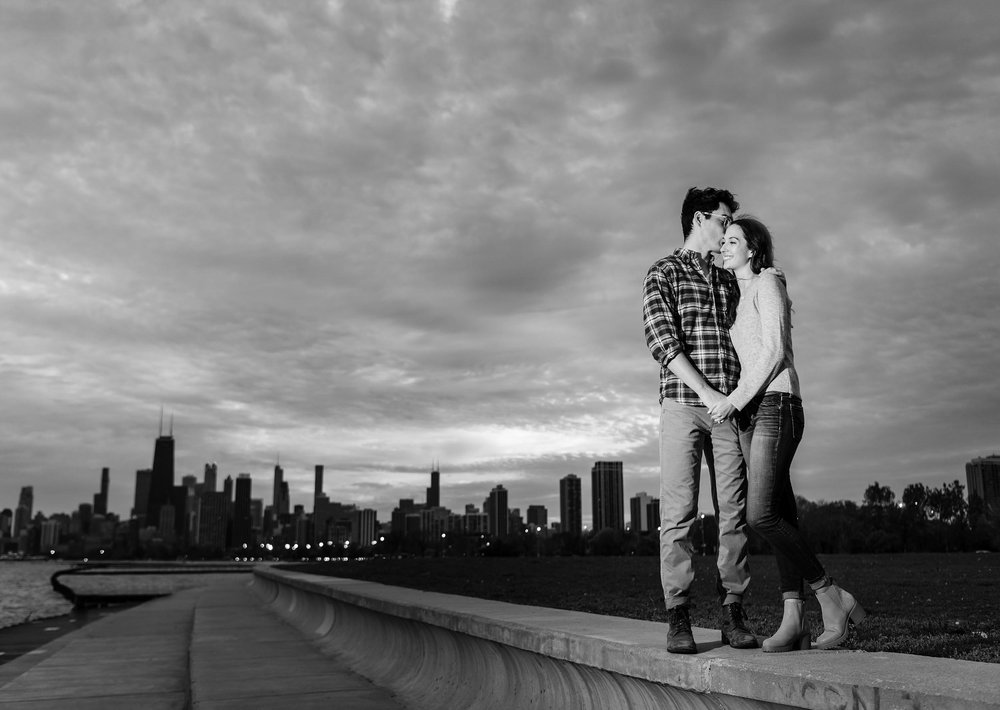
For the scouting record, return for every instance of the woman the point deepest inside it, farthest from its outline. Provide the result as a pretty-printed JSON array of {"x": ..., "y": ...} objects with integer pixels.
[{"x": 770, "y": 419}]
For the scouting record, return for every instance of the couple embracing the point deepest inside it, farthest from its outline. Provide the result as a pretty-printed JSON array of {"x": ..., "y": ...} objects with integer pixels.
[{"x": 729, "y": 390}]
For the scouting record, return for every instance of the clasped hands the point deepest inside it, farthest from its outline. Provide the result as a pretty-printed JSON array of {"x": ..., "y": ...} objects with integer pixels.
[{"x": 719, "y": 408}]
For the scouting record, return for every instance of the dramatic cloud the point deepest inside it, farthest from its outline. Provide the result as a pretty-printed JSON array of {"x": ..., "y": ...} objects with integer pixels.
[{"x": 376, "y": 235}]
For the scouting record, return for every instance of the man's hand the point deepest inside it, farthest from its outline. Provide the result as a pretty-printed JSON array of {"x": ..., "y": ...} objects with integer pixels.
[
  {"x": 713, "y": 399},
  {"x": 721, "y": 410}
]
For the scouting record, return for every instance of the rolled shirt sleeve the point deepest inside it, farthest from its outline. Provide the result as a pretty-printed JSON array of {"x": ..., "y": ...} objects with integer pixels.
[{"x": 662, "y": 323}]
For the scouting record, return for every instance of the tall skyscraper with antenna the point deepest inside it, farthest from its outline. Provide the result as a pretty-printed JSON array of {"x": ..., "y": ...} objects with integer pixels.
[
  {"x": 434, "y": 492},
  {"x": 162, "y": 481},
  {"x": 280, "y": 493},
  {"x": 101, "y": 499}
]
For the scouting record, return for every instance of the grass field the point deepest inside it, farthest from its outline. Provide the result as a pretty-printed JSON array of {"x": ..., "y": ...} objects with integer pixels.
[{"x": 943, "y": 605}]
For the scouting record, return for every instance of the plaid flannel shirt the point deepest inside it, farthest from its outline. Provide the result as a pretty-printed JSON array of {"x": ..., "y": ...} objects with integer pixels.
[{"x": 686, "y": 313}]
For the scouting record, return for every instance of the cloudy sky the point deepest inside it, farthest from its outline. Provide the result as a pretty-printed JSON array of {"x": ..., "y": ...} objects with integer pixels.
[{"x": 379, "y": 235}]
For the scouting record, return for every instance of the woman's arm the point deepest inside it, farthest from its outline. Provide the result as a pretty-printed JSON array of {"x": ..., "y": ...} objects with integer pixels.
[{"x": 772, "y": 305}]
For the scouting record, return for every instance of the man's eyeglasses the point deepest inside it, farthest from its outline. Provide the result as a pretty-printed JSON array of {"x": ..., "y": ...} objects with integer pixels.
[{"x": 725, "y": 221}]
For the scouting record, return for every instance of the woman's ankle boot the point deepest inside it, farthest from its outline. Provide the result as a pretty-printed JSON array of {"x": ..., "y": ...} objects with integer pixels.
[
  {"x": 793, "y": 633},
  {"x": 838, "y": 607}
]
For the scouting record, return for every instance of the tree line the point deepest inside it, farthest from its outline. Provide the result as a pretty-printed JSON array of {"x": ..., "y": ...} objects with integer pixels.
[{"x": 923, "y": 519}]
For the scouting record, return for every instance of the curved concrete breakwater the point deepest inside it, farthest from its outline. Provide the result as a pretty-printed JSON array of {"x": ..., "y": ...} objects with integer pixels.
[{"x": 446, "y": 651}]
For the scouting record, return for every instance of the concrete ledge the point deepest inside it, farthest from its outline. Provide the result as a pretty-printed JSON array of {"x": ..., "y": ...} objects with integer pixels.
[{"x": 441, "y": 650}]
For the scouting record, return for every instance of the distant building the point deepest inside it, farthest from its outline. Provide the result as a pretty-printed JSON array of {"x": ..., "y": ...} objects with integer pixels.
[
  {"x": 101, "y": 499},
  {"x": 242, "y": 518},
  {"x": 162, "y": 481},
  {"x": 570, "y": 505},
  {"x": 645, "y": 512},
  {"x": 317, "y": 485},
  {"x": 333, "y": 522},
  {"x": 364, "y": 528},
  {"x": 474, "y": 522},
  {"x": 211, "y": 474},
  {"x": 50, "y": 534},
  {"x": 608, "y": 494},
  {"x": 143, "y": 477},
  {"x": 499, "y": 514},
  {"x": 538, "y": 517},
  {"x": 256, "y": 517},
  {"x": 983, "y": 478},
  {"x": 213, "y": 512},
  {"x": 85, "y": 513},
  {"x": 22, "y": 516},
  {"x": 434, "y": 523},
  {"x": 280, "y": 500},
  {"x": 434, "y": 491},
  {"x": 406, "y": 507}
]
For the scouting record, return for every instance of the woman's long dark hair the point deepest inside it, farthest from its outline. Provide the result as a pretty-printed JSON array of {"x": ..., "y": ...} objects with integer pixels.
[{"x": 758, "y": 240}]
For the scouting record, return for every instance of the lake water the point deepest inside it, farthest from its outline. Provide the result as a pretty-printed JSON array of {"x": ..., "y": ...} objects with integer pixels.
[{"x": 26, "y": 590}]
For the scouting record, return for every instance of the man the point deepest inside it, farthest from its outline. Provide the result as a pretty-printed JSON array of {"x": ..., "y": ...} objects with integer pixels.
[{"x": 688, "y": 306}]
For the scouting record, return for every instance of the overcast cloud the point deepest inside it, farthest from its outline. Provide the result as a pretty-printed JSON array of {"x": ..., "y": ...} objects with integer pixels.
[{"x": 376, "y": 235}]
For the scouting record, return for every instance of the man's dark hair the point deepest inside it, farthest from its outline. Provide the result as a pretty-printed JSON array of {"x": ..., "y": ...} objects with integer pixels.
[
  {"x": 758, "y": 239},
  {"x": 704, "y": 200}
]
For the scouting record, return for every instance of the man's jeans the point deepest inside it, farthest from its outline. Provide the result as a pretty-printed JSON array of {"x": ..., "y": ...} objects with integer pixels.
[
  {"x": 770, "y": 432},
  {"x": 685, "y": 433}
]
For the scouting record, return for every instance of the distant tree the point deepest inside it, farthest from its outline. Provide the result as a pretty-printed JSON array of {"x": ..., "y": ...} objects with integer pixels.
[
  {"x": 947, "y": 503},
  {"x": 878, "y": 496},
  {"x": 915, "y": 499},
  {"x": 881, "y": 519}
]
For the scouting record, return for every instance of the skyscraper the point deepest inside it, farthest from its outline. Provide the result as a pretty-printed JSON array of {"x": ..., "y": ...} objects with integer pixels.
[
  {"x": 25, "y": 505},
  {"x": 983, "y": 478},
  {"x": 496, "y": 508},
  {"x": 211, "y": 474},
  {"x": 143, "y": 477},
  {"x": 645, "y": 512},
  {"x": 242, "y": 519},
  {"x": 434, "y": 492},
  {"x": 608, "y": 495},
  {"x": 365, "y": 529},
  {"x": 571, "y": 505},
  {"x": 286, "y": 500},
  {"x": 101, "y": 499},
  {"x": 278, "y": 505},
  {"x": 162, "y": 481},
  {"x": 318, "y": 486},
  {"x": 212, "y": 520}
]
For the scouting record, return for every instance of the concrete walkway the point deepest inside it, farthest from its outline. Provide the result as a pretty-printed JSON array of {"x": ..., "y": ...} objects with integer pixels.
[{"x": 206, "y": 648}]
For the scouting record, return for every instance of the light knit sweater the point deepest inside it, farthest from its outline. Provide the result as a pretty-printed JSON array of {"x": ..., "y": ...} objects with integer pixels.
[{"x": 762, "y": 336}]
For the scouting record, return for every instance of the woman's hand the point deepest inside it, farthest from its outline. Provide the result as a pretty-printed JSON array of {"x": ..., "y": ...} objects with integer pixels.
[{"x": 721, "y": 410}]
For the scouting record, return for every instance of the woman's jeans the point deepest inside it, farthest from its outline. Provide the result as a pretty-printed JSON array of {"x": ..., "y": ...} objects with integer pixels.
[{"x": 770, "y": 432}]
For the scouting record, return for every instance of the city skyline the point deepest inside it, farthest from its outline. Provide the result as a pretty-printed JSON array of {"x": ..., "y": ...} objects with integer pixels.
[
  {"x": 164, "y": 447},
  {"x": 315, "y": 485},
  {"x": 379, "y": 234}
]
